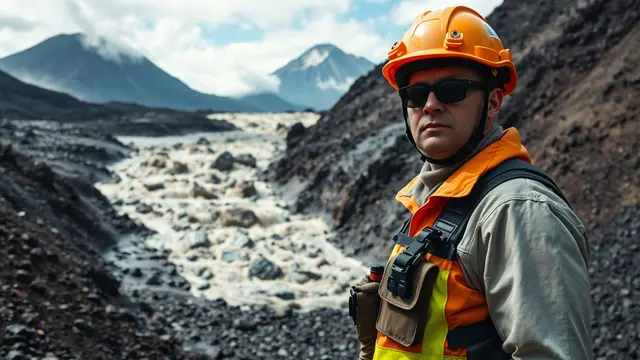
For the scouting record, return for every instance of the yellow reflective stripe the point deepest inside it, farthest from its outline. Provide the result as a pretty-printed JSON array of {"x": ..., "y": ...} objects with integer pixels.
[
  {"x": 391, "y": 354},
  {"x": 435, "y": 332}
]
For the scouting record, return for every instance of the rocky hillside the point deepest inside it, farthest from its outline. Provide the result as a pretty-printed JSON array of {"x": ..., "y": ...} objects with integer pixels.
[
  {"x": 56, "y": 296},
  {"x": 22, "y": 101},
  {"x": 577, "y": 109}
]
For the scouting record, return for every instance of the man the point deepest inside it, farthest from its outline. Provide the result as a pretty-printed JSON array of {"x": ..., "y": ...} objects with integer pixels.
[{"x": 515, "y": 285}]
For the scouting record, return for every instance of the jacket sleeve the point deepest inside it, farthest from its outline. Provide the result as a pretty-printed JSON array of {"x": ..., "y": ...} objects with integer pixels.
[{"x": 532, "y": 259}]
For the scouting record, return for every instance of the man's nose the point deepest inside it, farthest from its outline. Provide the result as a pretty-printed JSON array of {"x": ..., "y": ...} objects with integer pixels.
[{"x": 432, "y": 105}]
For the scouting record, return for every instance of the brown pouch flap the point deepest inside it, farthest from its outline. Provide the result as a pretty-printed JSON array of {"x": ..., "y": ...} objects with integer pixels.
[{"x": 423, "y": 275}]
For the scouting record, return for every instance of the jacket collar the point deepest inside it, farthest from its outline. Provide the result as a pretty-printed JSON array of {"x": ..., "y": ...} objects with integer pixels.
[{"x": 460, "y": 183}]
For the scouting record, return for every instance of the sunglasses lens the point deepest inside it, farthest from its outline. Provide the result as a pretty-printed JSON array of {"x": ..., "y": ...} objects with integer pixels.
[
  {"x": 447, "y": 92},
  {"x": 415, "y": 96},
  {"x": 450, "y": 92}
]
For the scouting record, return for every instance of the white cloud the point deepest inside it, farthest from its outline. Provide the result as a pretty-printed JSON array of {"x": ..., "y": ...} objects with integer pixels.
[
  {"x": 404, "y": 12},
  {"x": 170, "y": 33}
]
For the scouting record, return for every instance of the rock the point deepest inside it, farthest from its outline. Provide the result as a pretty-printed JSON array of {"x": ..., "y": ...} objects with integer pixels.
[
  {"x": 191, "y": 257},
  {"x": 198, "y": 239},
  {"x": 203, "y": 141},
  {"x": 143, "y": 208},
  {"x": 154, "y": 280},
  {"x": 282, "y": 293},
  {"x": 283, "y": 353},
  {"x": 214, "y": 179},
  {"x": 245, "y": 324},
  {"x": 83, "y": 326},
  {"x": 243, "y": 241},
  {"x": 294, "y": 134},
  {"x": 207, "y": 274},
  {"x": 224, "y": 162},
  {"x": 157, "y": 161},
  {"x": 200, "y": 191},
  {"x": 131, "y": 202},
  {"x": 238, "y": 217},
  {"x": 22, "y": 331},
  {"x": 16, "y": 355},
  {"x": 136, "y": 273},
  {"x": 264, "y": 269},
  {"x": 193, "y": 149},
  {"x": 179, "y": 168},
  {"x": 231, "y": 256},
  {"x": 203, "y": 286},
  {"x": 301, "y": 276},
  {"x": 24, "y": 277},
  {"x": 153, "y": 186},
  {"x": 247, "y": 188},
  {"x": 246, "y": 159},
  {"x": 105, "y": 281}
]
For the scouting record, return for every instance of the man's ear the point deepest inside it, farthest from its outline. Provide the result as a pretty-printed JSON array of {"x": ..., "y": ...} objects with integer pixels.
[{"x": 495, "y": 103}]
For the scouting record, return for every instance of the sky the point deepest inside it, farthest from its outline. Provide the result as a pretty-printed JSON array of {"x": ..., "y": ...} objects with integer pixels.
[{"x": 224, "y": 47}]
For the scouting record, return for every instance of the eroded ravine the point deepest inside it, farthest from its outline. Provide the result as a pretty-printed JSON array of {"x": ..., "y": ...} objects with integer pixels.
[{"x": 227, "y": 233}]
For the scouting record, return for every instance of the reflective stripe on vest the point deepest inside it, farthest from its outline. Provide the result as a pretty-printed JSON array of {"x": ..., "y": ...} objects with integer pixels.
[{"x": 453, "y": 303}]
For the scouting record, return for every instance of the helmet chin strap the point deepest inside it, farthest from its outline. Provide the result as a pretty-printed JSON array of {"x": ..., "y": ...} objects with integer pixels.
[{"x": 466, "y": 150}]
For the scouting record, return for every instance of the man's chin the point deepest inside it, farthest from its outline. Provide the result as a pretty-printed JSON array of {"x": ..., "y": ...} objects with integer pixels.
[{"x": 437, "y": 151}]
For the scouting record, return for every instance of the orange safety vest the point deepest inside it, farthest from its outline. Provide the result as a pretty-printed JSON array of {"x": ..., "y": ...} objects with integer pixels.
[{"x": 453, "y": 303}]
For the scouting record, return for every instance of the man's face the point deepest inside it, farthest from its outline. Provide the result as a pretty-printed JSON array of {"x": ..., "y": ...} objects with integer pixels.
[{"x": 439, "y": 128}]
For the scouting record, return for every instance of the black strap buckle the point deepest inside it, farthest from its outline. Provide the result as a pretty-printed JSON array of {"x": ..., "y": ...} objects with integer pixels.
[{"x": 399, "y": 279}]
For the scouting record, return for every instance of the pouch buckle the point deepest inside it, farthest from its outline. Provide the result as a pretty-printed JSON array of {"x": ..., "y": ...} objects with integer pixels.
[{"x": 399, "y": 279}]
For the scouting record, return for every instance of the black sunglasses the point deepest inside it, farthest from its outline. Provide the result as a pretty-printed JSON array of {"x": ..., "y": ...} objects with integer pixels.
[{"x": 447, "y": 92}]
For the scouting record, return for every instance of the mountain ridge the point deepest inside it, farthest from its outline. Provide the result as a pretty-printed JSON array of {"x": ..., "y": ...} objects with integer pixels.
[
  {"x": 320, "y": 76},
  {"x": 100, "y": 72}
]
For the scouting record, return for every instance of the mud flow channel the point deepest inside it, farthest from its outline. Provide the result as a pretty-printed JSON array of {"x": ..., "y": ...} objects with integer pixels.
[{"x": 225, "y": 232}]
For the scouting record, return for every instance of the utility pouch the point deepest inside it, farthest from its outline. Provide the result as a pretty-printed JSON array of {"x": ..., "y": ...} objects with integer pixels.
[
  {"x": 403, "y": 319},
  {"x": 364, "y": 304}
]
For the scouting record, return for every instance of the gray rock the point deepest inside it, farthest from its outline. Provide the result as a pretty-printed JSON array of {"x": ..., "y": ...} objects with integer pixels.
[
  {"x": 203, "y": 286},
  {"x": 245, "y": 324},
  {"x": 198, "y": 239},
  {"x": 214, "y": 179},
  {"x": 179, "y": 168},
  {"x": 16, "y": 355},
  {"x": 24, "y": 277},
  {"x": 144, "y": 208},
  {"x": 203, "y": 141},
  {"x": 131, "y": 202},
  {"x": 303, "y": 276},
  {"x": 19, "y": 330},
  {"x": 239, "y": 217},
  {"x": 199, "y": 191},
  {"x": 231, "y": 256},
  {"x": 154, "y": 280},
  {"x": 243, "y": 241},
  {"x": 264, "y": 269},
  {"x": 247, "y": 188},
  {"x": 158, "y": 161},
  {"x": 284, "y": 294},
  {"x": 207, "y": 274},
  {"x": 154, "y": 186},
  {"x": 246, "y": 159},
  {"x": 224, "y": 162}
]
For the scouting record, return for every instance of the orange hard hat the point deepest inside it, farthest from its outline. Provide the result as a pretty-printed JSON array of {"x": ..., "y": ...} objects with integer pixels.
[{"x": 456, "y": 32}]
